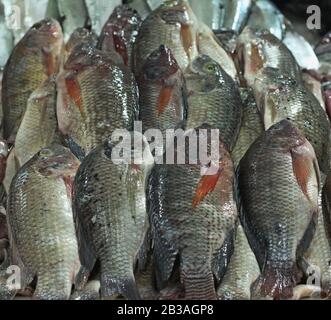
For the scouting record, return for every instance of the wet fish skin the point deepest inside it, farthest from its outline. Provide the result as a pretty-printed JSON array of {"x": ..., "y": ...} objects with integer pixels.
[
  {"x": 265, "y": 15},
  {"x": 280, "y": 97},
  {"x": 90, "y": 292},
  {"x": 120, "y": 32},
  {"x": 227, "y": 39},
  {"x": 78, "y": 37},
  {"x": 258, "y": 49},
  {"x": 41, "y": 223},
  {"x": 88, "y": 111},
  {"x": 74, "y": 14},
  {"x": 39, "y": 126},
  {"x": 192, "y": 219},
  {"x": 251, "y": 126},
  {"x": 314, "y": 86},
  {"x": 242, "y": 271},
  {"x": 279, "y": 221},
  {"x": 162, "y": 92},
  {"x": 213, "y": 99},
  {"x": 33, "y": 60},
  {"x": 110, "y": 214}
]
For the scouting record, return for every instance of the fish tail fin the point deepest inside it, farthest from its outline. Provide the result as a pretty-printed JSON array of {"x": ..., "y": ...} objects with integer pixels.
[
  {"x": 199, "y": 285},
  {"x": 275, "y": 283},
  {"x": 125, "y": 287}
]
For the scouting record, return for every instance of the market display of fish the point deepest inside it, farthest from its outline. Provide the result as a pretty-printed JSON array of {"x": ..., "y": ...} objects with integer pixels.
[
  {"x": 95, "y": 97},
  {"x": 39, "y": 126},
  {"x": 120, "y": 32},
  {"x": 193, "y": 216},
  {"x": 110, "y": 213},
  {"x": 33, "y": 60},
  {"x": 242, "y": 271},
  {"x": 251, "y": 126},
  {"x": 278, "y": 183},
  {"x": 165, "y": 150},
  {"x": 41, "y": 223},
  {"x": 162, "y": 92},
  {"x": 213, "y": 99}
]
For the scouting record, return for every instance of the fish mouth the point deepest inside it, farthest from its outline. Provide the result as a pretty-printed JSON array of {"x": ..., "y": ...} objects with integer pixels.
[{"x": 49, "y": 26}]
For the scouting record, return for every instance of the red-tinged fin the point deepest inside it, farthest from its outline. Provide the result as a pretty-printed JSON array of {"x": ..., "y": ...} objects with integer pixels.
[
  {"x": 302, "y": 167},
  {"x": 164, "y": 99},
  {"x": 186, "y": 37},
  {"x": 69, "y": 182},
  {"x": 49, "y": 63},
  {"x": 74, "y": 92},
  {"x": 206, "y": 185}
]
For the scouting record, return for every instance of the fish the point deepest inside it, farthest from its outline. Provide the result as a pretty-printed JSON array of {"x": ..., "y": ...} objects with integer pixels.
[
  {"x": 251, "y": 126},
  {"x": 90, "y": 292},
  {"x": 6, "y": 39},
  {"x": 236, "y": 14},
  {"x": 259, "y": 49},
  {"x": 74, "y": 15},
  {"x": 41, "y": 224},
  {"x": 110, "y": 214},
  {"x": 78, "y": 37},
  {"x": 146, "y": 282},
  {"x": 280, "y": 97},
  {"x": 242, "y": 271},
  {"x": 143, "y": 7},
  {"x": 12, "y": 166},
  {"x": 96, "y": 96},
  {"x": 266, "y": 16},
  {"x": 119, "y": 33},
  {"x": 213, "y": 99},
  {"x": 278, "y": 188},
  {"x": 302, "y": 51},
  {"x": 99, "y": 12},
  {"x": 173, "y": 24},
  {"x": 323, "y": 52},
  {"x": 314, "y": 86},
  {"x": 317, "y": 259},
  {"x": 228, "y": 40},
  {"x": 33, "y": 60},
  {"x": 162, "y": 92},
  {"x": 192, "y": 214},
  {"x": 39, "y": 126}
]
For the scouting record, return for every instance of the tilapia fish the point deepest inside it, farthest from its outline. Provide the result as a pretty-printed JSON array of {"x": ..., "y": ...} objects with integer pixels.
[
  {"x": 74, "y": 14},
  {"x": 266, "y": 16},
  {"x": 99, "y": 11},
  {"x": 193, "y": 218},
  {"x": 242, "y": 271},
  {"x": 173, "y": 24},
  {"x": 96, "y": 97},
  {"x": 120, "y": 32},
  {"x": 258, "y": 49},
  {"x": 317, "y": 260},
  {"x": 78, "y": 37},
  {"x": 41, "y": 223},
  {"x": 162, "y": 90},
  {"x": 110, "y": 214},
  {"x": 39, "y": 126},
  {"x": 213, "y": 99},
  {"x": 280, "y": 97},
  {"x": 251, "y": 126},
  {"x": 278, "y": 181},
  {"x": 33, "y": 60}
]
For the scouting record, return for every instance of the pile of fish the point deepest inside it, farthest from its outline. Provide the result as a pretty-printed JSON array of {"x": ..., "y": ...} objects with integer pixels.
[{"x": 77, "y": 223}]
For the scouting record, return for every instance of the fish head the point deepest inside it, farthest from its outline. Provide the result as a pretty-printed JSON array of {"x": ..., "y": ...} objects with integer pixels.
[
  {"x": 56, "y": 161},
  {"x": 160, "y": 65},
  {"x": 79, "y": 36},
  {"x": 81, "y": 56},
  {"x": 203, "y": 74},
  {"x": 176, "y": 12}
]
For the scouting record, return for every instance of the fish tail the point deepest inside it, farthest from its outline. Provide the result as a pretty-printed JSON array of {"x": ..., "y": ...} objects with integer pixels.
[
  {"x": 199, "y": 286},
  {"x": 275, "y": 283},
  {"x": 125, "y": 287}
]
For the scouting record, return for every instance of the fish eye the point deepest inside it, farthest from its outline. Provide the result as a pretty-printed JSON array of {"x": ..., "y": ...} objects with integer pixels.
[
  {"x": 209, "y": 67},
  {"x": 45, "y": 153}
]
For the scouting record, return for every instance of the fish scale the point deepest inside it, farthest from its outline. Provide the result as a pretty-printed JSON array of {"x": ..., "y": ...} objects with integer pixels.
[
  {"x": 196, "y": 234},
  {"x": 277, "y": 216},
  {"x": 110, "y": 209},
  {"x": 42, "y": 226}
]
